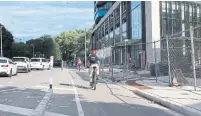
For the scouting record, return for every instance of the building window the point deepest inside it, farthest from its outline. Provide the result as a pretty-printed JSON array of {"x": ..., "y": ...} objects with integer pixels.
[
  {"x": 134, "y": 4},
  {"x": 117, "y": 37},
  {"x": 136, "y": 20},
  {"x": 124, "y": 35},
  {"x": 111, "y": 38},
  {"x": 124, "y": 27}
]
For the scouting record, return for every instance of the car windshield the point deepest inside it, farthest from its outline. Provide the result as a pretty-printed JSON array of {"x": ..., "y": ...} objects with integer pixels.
[
  {"x": 3, "y": 61},
  {"x": 18, "y": 59},
  {"x": 35, "y": 60}
]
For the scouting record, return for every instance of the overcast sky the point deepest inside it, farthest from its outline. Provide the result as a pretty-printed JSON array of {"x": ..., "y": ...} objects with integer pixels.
[{"x": 28, "y": 20}]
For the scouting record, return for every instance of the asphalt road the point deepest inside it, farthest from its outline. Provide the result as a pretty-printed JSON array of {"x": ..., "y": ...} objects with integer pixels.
[{"x": 71, "y": 96}]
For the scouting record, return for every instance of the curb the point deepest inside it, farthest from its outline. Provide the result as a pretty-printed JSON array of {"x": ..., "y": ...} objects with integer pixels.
[
  {"x": 41, "y": 108},
  {"x": 180, "y": 108}
]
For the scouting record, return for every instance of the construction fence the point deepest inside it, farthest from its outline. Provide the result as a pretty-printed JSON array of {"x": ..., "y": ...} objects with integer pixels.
[{"x": 174, "y": 59}]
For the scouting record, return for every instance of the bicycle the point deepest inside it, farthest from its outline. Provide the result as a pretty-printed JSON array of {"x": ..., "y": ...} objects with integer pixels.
[
  {"x": 94, "y": 78},
  {"x": 79, "y": 66}
]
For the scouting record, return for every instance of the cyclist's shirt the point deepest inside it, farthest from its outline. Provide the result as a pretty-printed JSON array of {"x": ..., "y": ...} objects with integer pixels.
[
  {"x": 79, "y": 62},
  {"x": 93, "y": 59}
]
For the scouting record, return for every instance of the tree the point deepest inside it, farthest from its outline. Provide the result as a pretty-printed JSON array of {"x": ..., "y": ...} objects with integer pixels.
[
  {"x": 72, "y": 43},
  {"x": 7, "y": 39},
  {"x": 45, "y": 45},
  {"x": 21, "y": 49}
]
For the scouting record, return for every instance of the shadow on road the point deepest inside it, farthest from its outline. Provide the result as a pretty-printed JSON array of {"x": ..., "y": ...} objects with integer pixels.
[
  {"x": 85, "y": 76},
  {"x": 94, "y": 107},
  {"x": 78, "y": 86}
]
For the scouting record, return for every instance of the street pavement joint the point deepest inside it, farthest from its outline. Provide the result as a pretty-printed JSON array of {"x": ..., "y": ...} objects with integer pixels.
[{"x": 41, "y": 108}]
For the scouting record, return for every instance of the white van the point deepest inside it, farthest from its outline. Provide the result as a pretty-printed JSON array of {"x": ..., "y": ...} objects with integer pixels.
[{"x": 39, "y": 63}]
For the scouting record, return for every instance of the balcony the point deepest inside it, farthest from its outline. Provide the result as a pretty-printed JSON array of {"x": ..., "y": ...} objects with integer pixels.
[{"x": 99, "y": 14}]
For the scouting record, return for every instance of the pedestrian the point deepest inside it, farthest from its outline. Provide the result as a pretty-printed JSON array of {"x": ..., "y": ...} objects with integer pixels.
[
  {"x": 62, "y": 65},
  {"x": 84, "y": 62}
]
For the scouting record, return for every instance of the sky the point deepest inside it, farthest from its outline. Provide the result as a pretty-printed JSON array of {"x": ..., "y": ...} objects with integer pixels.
[{"x": 29, "y": 20}]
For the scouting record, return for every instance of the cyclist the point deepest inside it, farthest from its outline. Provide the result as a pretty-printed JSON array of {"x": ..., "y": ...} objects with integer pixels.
[
  {"x": 79, "y": 62},
  {"x": 93, "y": 60}
]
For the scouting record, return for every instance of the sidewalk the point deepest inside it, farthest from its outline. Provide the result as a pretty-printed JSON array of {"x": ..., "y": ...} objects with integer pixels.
[
  {"x": 118, "y": 75},
  {"x": 181, "y": 99}
]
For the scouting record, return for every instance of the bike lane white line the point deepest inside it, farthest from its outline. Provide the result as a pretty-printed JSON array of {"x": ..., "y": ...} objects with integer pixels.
[{"x": 77, "y": 99}]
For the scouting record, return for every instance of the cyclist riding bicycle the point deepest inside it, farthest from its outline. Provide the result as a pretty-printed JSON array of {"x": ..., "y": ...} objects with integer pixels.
[
  {"x": 79, "y": 63},
  {"x": 93, "y": 61}
]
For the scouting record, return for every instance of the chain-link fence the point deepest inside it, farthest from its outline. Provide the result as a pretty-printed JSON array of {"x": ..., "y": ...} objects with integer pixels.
[
  {"x": 133, "y": 61},
  {"x": 184, "y": 57},
  {"x": 174, "y": 59}
]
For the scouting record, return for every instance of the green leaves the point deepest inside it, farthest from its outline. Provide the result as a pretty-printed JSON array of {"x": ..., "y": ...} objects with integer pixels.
[
  {"x": 7, "y": 39},
  {"x": 73, "y": 43},
  {"x": 46, "y": 45}
]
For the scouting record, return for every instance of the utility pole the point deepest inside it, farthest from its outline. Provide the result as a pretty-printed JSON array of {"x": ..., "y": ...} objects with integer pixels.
[
  {"x": 85, "y": 47},
  {"x": 33, "y": 49},
  {"x": 1, "y": 42}
]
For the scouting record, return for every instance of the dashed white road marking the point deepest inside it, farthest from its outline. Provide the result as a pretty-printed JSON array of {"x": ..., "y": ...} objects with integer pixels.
[
  {"x": 53, "y": 114},
  {"x": 78, "y": 104},
  {"x": 8, "y": 90}
]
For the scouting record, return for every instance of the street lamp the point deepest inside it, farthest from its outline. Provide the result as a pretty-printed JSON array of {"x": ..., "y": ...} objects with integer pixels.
[
  {"x": 1, "y": 42},
  {"x": 126, "y": 54}
]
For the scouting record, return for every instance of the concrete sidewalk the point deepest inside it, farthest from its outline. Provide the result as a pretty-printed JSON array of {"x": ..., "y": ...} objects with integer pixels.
[
  {"x": 118, "y": 75},
  {"x": 181, "y": 99}
]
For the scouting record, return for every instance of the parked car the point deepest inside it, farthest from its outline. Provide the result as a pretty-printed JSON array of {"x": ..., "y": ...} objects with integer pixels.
[
  {"x": 57, "y": 63},
  {"x": 39, "y": 63},
  {"x": 7, "y": 67},
  {"x": 22, "y": 63},
  {"x": 46, "y": 63}
]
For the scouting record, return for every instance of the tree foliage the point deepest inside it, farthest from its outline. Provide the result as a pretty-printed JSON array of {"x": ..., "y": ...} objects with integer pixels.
[
  {"x": 72, "y": 43},
  {"x": 45, "y": 45},
  {"x": 66, "y": 45},
  {"x": 7, "y": 40}
]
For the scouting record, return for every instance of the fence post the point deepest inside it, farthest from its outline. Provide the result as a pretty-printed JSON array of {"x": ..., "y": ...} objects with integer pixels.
[
  {"x": 193, "y": 56},
  {"x": 155, "y": 61},
  {"x": 103, "y": 61},
  {"x": 112, "y": 60},
  {"x": 169, "y": 70}
]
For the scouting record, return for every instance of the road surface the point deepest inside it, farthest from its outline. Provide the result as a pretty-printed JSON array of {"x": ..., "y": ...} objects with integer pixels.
[{"x": 21, "y": 95}]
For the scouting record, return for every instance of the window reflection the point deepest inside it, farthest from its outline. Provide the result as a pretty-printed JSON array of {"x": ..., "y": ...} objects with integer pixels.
[
  {"x": 117, "y": 37},
  {"x": 136, "y": 17},
  {"x": 111, "y": 38}
]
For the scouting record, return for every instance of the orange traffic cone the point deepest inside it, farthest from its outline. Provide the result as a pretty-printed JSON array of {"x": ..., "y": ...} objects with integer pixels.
[{"x": 175, "y": 83}]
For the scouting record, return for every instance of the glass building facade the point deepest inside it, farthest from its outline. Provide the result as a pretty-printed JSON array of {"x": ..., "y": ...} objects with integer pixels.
[
  {"x": 175, "y": 16},
  {"x": 136, "y": 30},
  {"x": 179, "y": 16},
  {"x": 136, "y": 19}
]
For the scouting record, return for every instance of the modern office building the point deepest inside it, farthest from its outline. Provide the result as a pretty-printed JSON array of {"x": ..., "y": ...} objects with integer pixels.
[{"x": 143, "y": 21}]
